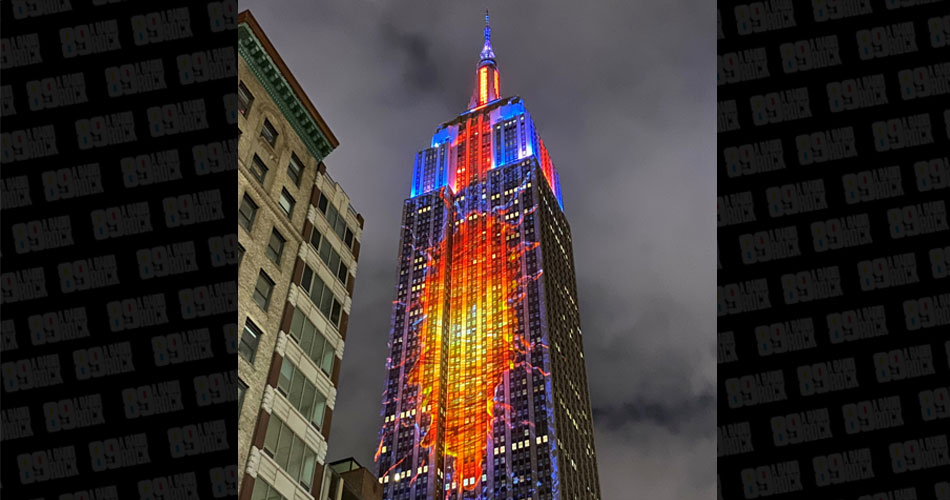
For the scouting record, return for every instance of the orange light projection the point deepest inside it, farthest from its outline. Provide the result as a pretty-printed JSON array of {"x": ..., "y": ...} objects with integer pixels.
[
  {"x": 482, "y": 327},
  {"x": 497, "y": 88},
  {"x": 482, "y": 85}
]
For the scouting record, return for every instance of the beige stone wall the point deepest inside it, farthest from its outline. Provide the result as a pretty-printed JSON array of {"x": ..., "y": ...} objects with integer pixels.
[
  {"x": 285, "y": 294},
  {"x": 268, "y": 217}
]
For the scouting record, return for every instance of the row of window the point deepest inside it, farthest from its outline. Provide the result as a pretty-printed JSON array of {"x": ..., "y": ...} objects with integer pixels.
[
  {"x": 259, "y": 169},
  {"x": 290, "y": 451},
  {"x": 245, "y": 101},
  {"x": 264, "y": 491},
  {"x": 336, "y": 220},
  {"x": 312, "y": 342},
  {"x": 247, "y": 212},
  {"x": 329, "y": 256},
  {"x": 302, "y": 394},
  {"x": 321, "y": 295}
]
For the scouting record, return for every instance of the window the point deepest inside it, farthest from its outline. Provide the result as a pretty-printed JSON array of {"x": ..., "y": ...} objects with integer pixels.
[
  {"x": 289, "y": 451},
  {"x": 269, "y": 133},
  {"x": 263, "y": 290},
  {"x": 321, "y": 296},
  {"x": 240, "y": 254},
  {"x": 264, "y": 491},
  {"x": 249, "y": 340},
  {"x": 275, "y": 247},
  {"x": 245, "y": 99},
  {"x": 322, "y": 203},
  {"x": 312, "y": 342},
  {"x": 336, "y": 220},
  {"x": 247, "y": 212},
  {"x": 301, "y": 393},
  {"x": 295, "y": 169},
  {"x": 287, "y": 202},
  {"x": 242, "y": 389},
  {"x": 329, "y": 256},
  {"x": 258, "y": 169}
]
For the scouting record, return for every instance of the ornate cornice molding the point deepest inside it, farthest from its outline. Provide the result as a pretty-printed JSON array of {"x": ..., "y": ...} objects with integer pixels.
[{"x": 268, "y": 74}]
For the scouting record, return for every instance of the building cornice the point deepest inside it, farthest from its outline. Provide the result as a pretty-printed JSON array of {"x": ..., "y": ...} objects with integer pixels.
[{"x": 280, "y": 84}]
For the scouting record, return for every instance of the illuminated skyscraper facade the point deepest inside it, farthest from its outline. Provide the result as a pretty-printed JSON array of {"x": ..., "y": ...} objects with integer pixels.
[{"x": 486, "y": 390}]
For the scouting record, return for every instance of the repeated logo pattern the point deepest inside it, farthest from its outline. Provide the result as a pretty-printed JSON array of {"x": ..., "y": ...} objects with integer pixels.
[
  {"x": 119, "y": 272},
  {"x": 833, "y": 254}
]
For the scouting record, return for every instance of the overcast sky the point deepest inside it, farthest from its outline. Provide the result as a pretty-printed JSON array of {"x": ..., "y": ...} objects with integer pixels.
[{"x": 621, "y": 91}]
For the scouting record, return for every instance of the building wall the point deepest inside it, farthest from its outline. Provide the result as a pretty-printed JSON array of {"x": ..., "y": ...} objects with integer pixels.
[
  {"x": 574, "y": 453},
  {"x": 486, "y": 315},
  {"x": 269, "y": 216},
  {"x": 264, "y": 404}
]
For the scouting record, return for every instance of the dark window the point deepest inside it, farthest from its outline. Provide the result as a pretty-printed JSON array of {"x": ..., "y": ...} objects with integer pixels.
[
  {"x": 321, "y": 296},
  {"x": 247, "y": 212},
  {"x": 249, "y": 340},
  {"x": 323, "y": 203},
  {"x": 269, "y": 133},
  {"x": 262, "y": 291},
  {"x": 343, "y": 273},
  {"x": 275, "y": 247},
  {"x": 287, "y": 202},
  {"x": 259, "y": 169},
  {"x": 245, "y": 99},
  {"x": 348, "y": 238},
  {"x": 242, "y": 389},
  {"x": 295, "y": 169},
  {"x": 240, "y": 254}
]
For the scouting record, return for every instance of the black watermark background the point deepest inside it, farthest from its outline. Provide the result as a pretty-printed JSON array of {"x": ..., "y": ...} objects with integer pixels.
[
  {"x": 119, "y": 255},
  {"x": 833, "y": 249}
]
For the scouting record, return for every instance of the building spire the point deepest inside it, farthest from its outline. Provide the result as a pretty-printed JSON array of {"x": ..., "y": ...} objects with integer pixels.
[
  {"x": 486, "y": 75},
  {"x": 487, "y": 55}
]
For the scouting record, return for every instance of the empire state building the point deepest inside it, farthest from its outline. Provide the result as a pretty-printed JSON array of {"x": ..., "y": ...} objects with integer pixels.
[{"x": 486, "y": 388}]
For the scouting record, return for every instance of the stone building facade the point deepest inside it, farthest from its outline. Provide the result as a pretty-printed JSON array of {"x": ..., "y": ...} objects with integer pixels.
[{"x": 300, "y": 241}]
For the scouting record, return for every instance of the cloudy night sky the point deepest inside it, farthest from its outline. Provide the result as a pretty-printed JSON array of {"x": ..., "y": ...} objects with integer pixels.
[{"x": 620, "y": 92}]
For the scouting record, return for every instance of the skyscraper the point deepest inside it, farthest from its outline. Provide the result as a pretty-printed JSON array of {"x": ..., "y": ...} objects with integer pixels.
[{"x": 486, "y": 390}]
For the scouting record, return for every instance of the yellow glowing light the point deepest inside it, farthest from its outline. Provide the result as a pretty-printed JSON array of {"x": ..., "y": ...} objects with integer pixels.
[{"x": 483, "y": 85}]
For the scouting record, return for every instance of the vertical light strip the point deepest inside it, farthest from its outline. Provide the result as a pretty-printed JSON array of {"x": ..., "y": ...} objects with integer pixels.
[
  {"x": 482, "y": 85},
  {"x": 497, "y": 90}
]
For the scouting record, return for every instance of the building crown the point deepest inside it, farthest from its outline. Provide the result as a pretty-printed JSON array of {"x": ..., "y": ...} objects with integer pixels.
[{"x": 487, "y": 86}]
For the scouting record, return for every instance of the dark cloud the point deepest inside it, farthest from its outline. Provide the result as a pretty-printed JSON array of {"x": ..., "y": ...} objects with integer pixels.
[
  {"x": 621, "y": 95},
  {"x": 420, "y": 71},
  {"x": 679, "y": 418}
]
